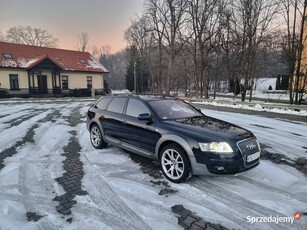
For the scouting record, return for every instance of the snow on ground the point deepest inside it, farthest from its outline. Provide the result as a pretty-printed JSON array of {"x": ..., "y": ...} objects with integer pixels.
[
  {"x": 121, "y": 196},
  {"x": 269, "y": 95},
  {"x": 256, "y": 107},
  {"x": 263, "y": 84},
  {"x": 281, "y": 136}
]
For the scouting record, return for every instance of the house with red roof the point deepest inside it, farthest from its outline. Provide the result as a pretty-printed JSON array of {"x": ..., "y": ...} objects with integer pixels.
[{"x": 27, "y": 70}]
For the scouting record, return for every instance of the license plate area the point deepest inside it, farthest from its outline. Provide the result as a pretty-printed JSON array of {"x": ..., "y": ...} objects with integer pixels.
[
  {"x": 252, "y": 157},
  {"x": 250, "y": 151}
]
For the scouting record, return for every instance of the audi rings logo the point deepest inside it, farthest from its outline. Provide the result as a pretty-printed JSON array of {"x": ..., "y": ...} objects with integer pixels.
[{"x": 251, "y": 146}]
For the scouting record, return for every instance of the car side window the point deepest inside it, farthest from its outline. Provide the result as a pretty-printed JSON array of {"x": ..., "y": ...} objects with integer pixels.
[
  {"x": 117, "y": 105},
  {"x": 103, "y": 103},
  {"x": 135, "y": 108}
]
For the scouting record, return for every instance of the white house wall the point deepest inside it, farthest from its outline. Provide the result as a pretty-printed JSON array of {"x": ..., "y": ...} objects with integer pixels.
[
  {"x": 22, "y": 78},
  {"x": 79, "y": 80},
  {"x": 75, "y": 80}
]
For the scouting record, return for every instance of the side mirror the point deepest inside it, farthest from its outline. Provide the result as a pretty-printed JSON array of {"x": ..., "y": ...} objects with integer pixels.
[{"x": 145, "y": 117}]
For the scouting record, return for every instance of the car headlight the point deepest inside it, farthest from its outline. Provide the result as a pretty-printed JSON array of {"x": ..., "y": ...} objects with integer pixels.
[{"x": 218, "y": 147}]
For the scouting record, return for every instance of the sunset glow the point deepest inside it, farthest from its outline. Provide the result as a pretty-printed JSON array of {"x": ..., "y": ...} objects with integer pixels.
[{"x": 103, "y": 20}]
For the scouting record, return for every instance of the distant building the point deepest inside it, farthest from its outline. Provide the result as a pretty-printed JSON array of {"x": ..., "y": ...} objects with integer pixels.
[{"x": 39, "y": 71}]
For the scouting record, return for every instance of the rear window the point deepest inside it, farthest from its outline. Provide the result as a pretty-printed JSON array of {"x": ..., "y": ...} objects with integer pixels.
[
  {"x": 117, "y": 105},
  {"x": 103, "y": 103}
]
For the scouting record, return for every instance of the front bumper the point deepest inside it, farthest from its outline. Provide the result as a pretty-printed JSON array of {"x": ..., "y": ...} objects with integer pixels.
[
  {"x": 230, "y": 166},
  {"x": 221, "y": 167},
  {"x": 212, "y": 163}
]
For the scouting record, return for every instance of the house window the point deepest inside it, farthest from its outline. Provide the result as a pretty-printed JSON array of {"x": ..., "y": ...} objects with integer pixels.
[
  {"x": 64, "y": 82},
  {"x": 89, "y": 82},
  {"x": 7, "y": 56},
  {"x": 14, "y": 82}
]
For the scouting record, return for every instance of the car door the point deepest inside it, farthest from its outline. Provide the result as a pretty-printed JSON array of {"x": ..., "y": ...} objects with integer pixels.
[
  {"x": 135, "y": 132},
  {"x": 112, "y": 119}
]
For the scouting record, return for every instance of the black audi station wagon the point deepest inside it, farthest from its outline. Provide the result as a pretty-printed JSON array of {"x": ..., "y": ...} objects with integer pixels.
[{"x": 184, "y": 140}]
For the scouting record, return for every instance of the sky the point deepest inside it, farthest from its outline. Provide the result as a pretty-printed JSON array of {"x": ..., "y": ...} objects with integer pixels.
[{"x": 103, "y": 20}]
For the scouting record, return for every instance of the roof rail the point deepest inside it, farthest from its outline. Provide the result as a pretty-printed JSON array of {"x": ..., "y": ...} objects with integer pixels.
[
  {"x": 145, "y": 94},
  {"x": 157, "y": 95},
  {"x": 124, "y": 94}
]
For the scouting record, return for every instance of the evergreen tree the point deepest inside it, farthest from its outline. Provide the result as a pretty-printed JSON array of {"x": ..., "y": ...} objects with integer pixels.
[
  {"x": 132, "y": 64},
  {"x": 138, "y": 66}
]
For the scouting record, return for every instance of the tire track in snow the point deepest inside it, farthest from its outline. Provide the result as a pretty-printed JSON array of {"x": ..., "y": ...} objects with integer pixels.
[
  {"x": 242, "y": 206},
  {"x": 32, "y": 200},
  {"x": 23, "y": 118},
  {"x": 271, "y": 188},
  {"x": 27, "y": 174},
  {"x": 9, "y": 152},
  {"x": 11, "y": 136},
  {"x": 105, "y": 196},
  {"x": 109, "y": 197}
]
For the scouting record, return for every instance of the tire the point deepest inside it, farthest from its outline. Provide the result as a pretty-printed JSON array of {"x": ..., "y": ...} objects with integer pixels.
[
  {"x": 97, "y": 138},
  {"x": 175, "y": 163}
]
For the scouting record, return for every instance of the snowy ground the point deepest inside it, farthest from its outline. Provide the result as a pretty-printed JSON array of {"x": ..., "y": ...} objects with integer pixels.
[{"x": 121, "y": 194}]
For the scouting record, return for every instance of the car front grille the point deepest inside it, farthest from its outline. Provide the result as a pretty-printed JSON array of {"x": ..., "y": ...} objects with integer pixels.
[{"x": 247, "y": 148}]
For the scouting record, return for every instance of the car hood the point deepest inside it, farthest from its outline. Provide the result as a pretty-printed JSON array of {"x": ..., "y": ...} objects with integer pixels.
[{"x": 206, "y": 128}]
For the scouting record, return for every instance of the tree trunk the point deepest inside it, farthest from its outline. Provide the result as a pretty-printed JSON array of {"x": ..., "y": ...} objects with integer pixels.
[
  {"x": 251, "y": 90},
  {"x": 196, "y": 80},
  {"x": 299, "y": 59},
  {"x": 159, "y": 83},
  {"x": 169, "y": 77},
  {"x": 244, "y": 89}
]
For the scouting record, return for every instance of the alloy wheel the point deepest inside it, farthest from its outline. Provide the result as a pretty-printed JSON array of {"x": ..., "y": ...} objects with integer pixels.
[
  {"x": 172, "y": 164},
  {"x": 95, "y": 136}
]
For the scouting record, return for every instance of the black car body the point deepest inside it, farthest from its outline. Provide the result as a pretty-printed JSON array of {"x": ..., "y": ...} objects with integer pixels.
[{"x": 183, "y": 139}]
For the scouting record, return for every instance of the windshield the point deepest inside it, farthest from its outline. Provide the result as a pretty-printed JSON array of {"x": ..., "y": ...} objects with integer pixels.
[{"x": 173, "y": 109}]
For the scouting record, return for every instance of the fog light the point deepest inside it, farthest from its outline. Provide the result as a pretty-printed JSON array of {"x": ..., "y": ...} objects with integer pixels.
[{"x": 220, "y": 168}]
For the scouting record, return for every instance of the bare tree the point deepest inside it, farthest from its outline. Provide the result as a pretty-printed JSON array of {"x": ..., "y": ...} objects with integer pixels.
[
  {"x": 252, "y": 19},
  {"x": 158, "y": 29},
  {"x": 31, "y": 36},
  {"x": 300, "y": 67},
  {"x": 203, "y": 19},
  {"x": 171, "y": 19},
  {"x": 116, "y": 64},
  {"x": 204, "y": 34},
  {"x": 82, "y": 42},
  {"x": 95, "y": 52},
  {"x": 139, "y": 34},
  {"x": 229, "y": 46},
  {"x": 292, "y": 15},
  {"x": 2, "y": 37}
]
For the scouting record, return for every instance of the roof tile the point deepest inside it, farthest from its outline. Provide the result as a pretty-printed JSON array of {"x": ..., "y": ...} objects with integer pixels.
[{"x": 26, "y": 56}]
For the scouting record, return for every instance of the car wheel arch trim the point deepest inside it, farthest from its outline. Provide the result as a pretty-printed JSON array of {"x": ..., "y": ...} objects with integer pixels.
[
  {"x": 96, "y": 122},
  {"x": 176, "y": 139}
]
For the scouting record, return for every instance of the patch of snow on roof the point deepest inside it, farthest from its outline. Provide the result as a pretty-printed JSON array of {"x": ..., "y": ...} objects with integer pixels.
[
  {"x": 25, "y": 63},
  {"x": 96, "y": 65},
  {"x": 22, "y": 62},
  {"x": 8, "y": 63}
]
